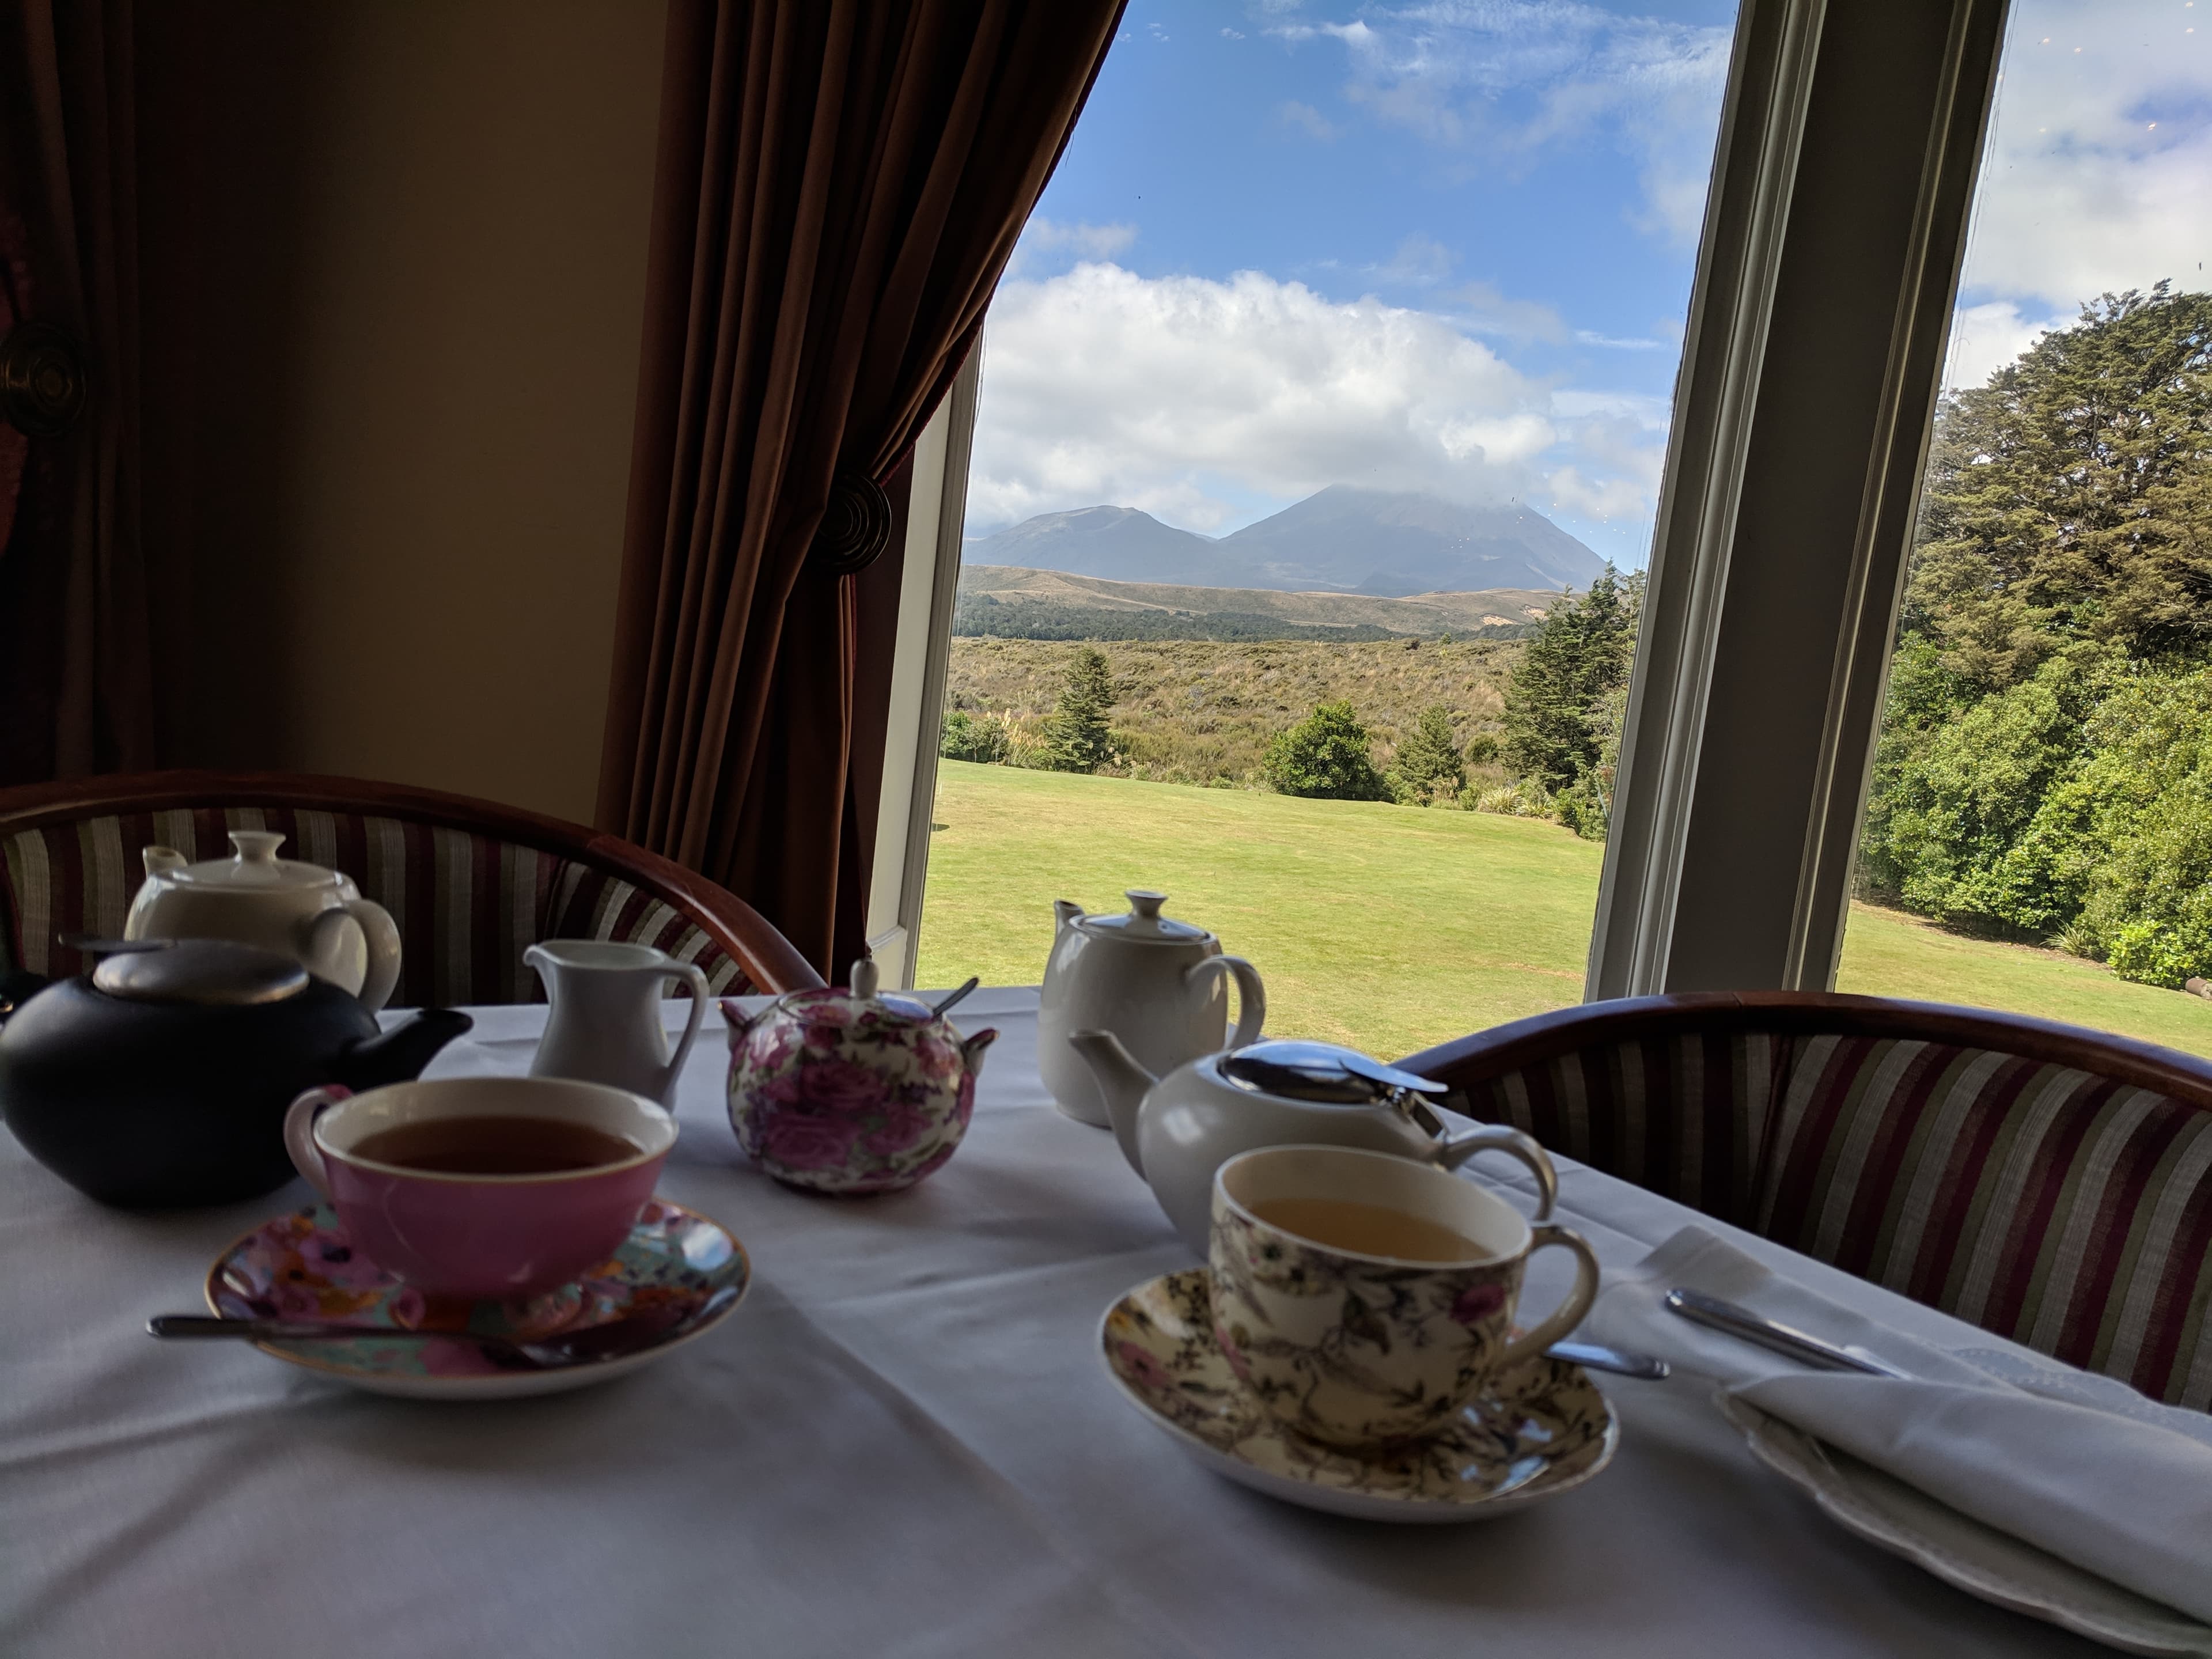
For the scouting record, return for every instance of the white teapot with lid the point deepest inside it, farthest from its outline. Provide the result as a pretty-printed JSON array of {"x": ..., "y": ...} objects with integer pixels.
[
  {"x": 1154, "y": 982},
  {"x": 316, "y": 916},
  {"x": 1177, "y": 1129}
]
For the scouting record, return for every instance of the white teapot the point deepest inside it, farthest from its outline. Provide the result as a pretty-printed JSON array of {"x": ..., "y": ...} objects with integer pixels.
[
  {"x": 1177, "y": 1130},
  {"x": 1154, "y": 982},
  {"x": 316, "y": 916}
]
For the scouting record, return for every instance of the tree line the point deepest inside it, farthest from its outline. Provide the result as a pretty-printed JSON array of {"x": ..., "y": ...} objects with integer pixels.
[
  {"x": 2045, "y": 770},
  {"x": 1552, "y": 754}
]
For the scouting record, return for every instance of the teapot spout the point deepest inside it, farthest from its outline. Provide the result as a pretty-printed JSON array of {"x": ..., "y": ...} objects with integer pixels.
[
  {"x": 739, "y": 1022},
  {"x": 971, "y": 1051},
  {"x": 1123, "y": 1082},
  {"x": 161, "y": 860},
  {"x": 1063, "y": 912},
  {"x": 399, "y": 1054}
]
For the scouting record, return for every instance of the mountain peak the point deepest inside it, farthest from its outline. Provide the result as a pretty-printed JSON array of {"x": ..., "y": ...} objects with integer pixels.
[{"x": 1343, "y": 539}]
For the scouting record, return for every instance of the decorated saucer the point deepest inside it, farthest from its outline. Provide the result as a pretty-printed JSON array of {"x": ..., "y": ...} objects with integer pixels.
[
  {"x": 1543, "y": 1429},
  {"x": 676, "y": 1263}
]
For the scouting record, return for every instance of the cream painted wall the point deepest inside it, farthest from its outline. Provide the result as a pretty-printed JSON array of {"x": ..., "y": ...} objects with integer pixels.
[{"x": 393, "y": 260}]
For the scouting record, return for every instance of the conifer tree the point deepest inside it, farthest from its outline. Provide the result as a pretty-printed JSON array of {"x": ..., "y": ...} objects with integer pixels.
[
  {"x": 2071, "y": 498},
  {"x": 1076, "y": 738},
  {"x": 1554, "y": 704}
]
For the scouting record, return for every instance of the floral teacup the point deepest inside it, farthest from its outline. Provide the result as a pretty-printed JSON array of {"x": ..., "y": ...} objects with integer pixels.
[{"x": 1353, "y": 1346}]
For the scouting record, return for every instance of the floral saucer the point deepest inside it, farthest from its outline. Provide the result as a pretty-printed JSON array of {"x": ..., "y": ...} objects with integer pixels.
[
  {"x": 1543, "y": 1430},
  {"x": 300, "y": 1267}
]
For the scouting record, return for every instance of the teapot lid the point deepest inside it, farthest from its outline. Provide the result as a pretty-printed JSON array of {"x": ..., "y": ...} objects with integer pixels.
[
  {"x": 253, "y": 864},
  {"x": 833, "y": 1005},
  {"x": 211, "y": 972},
  {"x": 1144, "y": 921},
  {"x": 1321, "y": 1071}
]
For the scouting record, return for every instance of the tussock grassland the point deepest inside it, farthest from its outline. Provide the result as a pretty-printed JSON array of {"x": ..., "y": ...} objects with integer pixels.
[{"x": 1203, "y": 711}]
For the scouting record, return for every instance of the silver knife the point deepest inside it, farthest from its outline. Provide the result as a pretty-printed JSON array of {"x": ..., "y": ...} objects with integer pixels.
[{"x": 1740, "y": 1322}]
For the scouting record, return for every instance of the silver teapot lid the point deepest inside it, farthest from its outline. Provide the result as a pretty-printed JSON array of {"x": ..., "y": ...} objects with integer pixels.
[
  {"x": 210, "y": 972},
  {"x": 1323, "y": 1071}
]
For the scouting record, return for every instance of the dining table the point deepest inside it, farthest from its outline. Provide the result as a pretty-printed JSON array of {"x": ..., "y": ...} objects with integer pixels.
[{"x": 903, "y": 1443}]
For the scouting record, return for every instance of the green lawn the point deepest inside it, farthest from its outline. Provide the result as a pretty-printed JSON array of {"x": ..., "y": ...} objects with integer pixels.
[{"x": 1387, "y": 927}]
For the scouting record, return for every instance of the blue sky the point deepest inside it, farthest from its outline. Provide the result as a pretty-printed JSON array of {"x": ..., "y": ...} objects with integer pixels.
[{"x": 1448, "y": 245}]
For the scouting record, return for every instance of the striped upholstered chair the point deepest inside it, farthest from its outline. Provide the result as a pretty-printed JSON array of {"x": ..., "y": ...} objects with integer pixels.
[
  {"x": 2052, "y": 1184},
  {"x": 471, "y": 884}
]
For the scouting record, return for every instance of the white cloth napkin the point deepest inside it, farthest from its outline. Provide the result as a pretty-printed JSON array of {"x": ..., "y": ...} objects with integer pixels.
[{"x": 2084, "y": 1467}]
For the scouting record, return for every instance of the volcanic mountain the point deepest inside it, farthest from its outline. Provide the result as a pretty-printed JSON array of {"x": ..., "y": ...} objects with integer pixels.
[{"x": 1341, "y": 540}]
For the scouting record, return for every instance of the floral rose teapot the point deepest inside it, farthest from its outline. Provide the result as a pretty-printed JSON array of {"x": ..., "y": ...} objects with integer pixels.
[{"x": 847, "y": 1092}]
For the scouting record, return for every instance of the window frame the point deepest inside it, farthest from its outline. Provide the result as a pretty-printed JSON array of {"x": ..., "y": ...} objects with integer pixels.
[{"x": 1850, "y": 141}]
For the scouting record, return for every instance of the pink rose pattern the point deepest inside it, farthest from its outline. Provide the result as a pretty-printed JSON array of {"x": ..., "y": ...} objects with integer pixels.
[
  {"x": 301, "y": 1265},
  {"x": 1478, "y": 1303},
  {"x": 833, "y": 1095}
]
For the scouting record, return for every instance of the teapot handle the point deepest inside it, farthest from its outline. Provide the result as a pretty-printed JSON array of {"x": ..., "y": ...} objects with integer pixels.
[
  {"x": 383, "y": 936},
  {"x": 1504, "y": 1138},
  {"x": 1251, "y": 995}
]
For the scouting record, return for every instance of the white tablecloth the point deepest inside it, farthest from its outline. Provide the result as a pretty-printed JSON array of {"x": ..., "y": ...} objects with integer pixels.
[{"x": 903, "y": 1443}]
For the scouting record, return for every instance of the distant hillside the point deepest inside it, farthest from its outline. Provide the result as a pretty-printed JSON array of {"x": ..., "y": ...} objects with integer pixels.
[
  {"x": 1012, "y": 603},
  {"x": 1341, "y": 540},
  {"x": 1116, "y": 541}
]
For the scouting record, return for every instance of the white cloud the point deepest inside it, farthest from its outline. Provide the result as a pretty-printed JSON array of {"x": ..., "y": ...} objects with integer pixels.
[
  {"x": 2099, "y": 166},
  {"x": 1308, "y": 119},
  {"x": 1501, "y": 80},
  {"x": 1985, "y": 337},
  {"x": 1479, "y": 308},
  {"x": 1091, "y": 241},
  {"x": 1190, "y": 398},
  {"x": 1591, "y": 336},
  {"x": 1085, "y": 242},
  {"x": 1420, "y": 262}
]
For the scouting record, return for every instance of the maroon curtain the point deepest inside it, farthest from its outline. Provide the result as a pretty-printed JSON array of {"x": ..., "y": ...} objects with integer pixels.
[
  {"x": 840, "y": 184},
  {"x": 76, "y": 677}
]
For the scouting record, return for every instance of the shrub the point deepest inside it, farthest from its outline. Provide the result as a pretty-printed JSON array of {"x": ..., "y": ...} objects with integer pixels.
[
  {"x": 1582, "y": 807},
  {"x": 1481, "y": 748},
  {"x": 1429, "y": 767},
  {"x": 1326, "y": 756},
  {"x": 1522, "y": 800},
  {"x": 967, "y": 739}
]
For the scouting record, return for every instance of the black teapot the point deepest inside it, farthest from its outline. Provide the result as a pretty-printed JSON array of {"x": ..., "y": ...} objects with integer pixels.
[{"x": 162, "y": 1078}]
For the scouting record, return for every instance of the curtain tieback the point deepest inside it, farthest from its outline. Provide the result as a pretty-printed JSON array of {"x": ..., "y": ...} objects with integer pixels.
[
  {"x": 855, "y": 529},
  {"x": 43, "y": 381}
]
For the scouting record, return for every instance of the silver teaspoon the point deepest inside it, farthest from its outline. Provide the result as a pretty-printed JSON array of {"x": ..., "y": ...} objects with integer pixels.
[
  {"x": 1592, "y": 1355},
  {"x": 617, "y": 1339},
  {"x": 956, "y": 996}
]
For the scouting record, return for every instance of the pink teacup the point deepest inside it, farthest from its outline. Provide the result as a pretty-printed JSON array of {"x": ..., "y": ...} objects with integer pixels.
[{"x": 480, "y": 1235}]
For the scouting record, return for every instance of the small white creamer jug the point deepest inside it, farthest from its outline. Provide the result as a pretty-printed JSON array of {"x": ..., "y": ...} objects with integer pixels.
[{"x": 605, "y": 1024}]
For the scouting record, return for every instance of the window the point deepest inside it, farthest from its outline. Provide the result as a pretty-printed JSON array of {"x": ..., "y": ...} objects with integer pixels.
[
  {"x": 1338, "y": 354},
  {"x": 2039, "y": 825}
]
